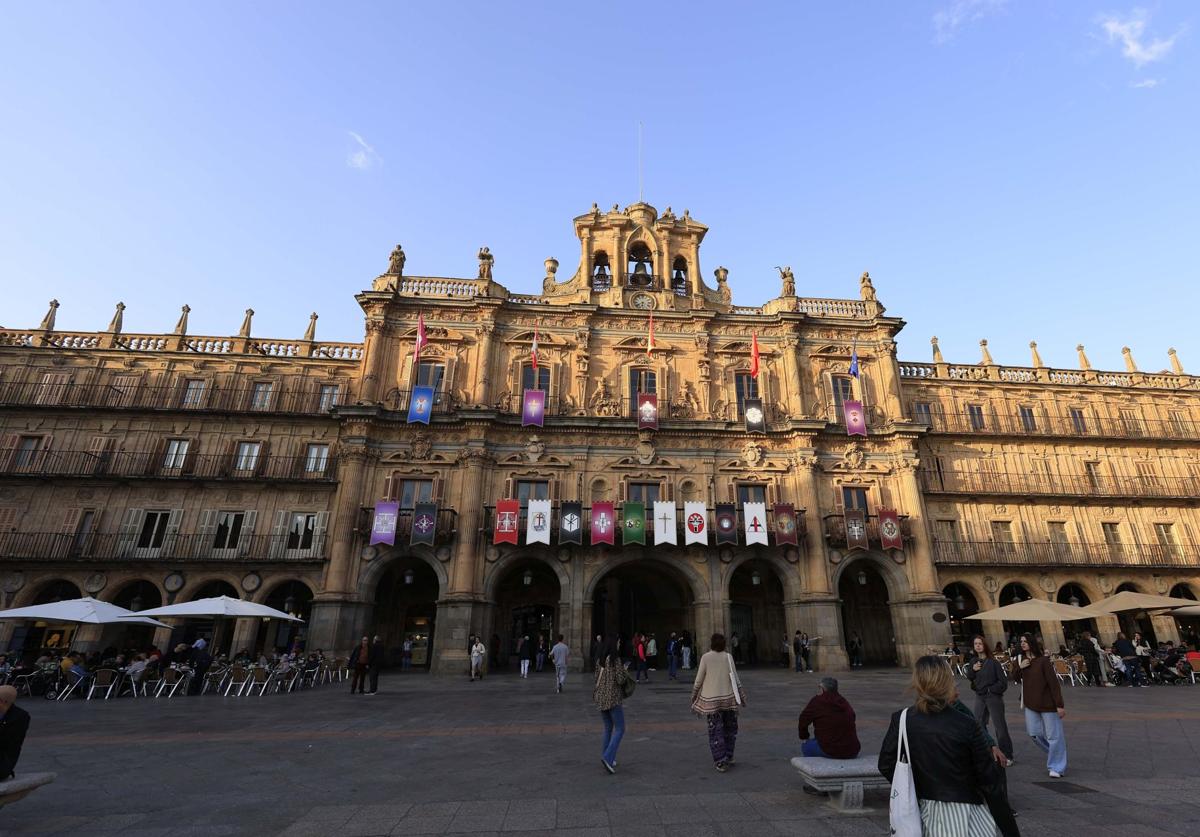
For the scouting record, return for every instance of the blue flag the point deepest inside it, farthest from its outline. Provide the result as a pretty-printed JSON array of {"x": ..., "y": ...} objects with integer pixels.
[
  {"x": 421, "y": 405},
  {"x": 854, "y": 358}
]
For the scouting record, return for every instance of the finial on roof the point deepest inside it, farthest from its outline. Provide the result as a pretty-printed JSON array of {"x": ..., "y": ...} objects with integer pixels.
[
  {"x": 937, "y": 352},
  {"x": 310, "y": 333},
  {"x": 987, "y": 356},
  {"x": 245, "y": 330},
  {"x": 1130, "y": 366},
  {"x": 1084, "y": 363},
  {"x": 1037, "y": 358},
  {"x": 118, "y": 320},
  {"x": 181, "y": 326},
  {"x": 47, "y": 323},
  {"x": 1176, "y": 366}
]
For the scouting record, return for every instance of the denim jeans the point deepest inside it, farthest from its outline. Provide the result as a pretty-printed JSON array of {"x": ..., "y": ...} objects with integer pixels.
[
  {"x": 614, "y": 728},
  {"x": 642, "y": 669},
  {"x": 541, "y": 661},
  {"x": 799, "y": 663},
  {"x": 1046, "y": 730},
  {"x": 561, "y": 673},
  {"x": 671, "y": 666},
  {"x": 809, "y": 747}
]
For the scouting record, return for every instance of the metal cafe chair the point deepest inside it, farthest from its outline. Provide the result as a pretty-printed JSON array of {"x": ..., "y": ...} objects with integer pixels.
[{"x": 106, "y": 681}]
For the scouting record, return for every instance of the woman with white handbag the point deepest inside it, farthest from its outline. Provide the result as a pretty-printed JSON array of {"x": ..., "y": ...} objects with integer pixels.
[
  {"x": 945, "y": 779},
  {"x": 717, "y": 694}
]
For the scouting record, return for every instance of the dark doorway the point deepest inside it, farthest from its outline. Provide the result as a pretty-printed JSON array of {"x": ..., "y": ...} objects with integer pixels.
[
  {"x": 1188, "y": 626},
  {"x": 1135, "y": 621},
  {"x": 1072, "y": 594},
  {"x": 865, "y": 610},
  {"x": 644, "y": 597},
  {"x": 218, "y": 633},
  {"x": 294, "y": 598},
  {"x": 33, "y": 637},
  {"x": 1011, "y": 594},
  {"x": 961, "y": 603},
  {"x": 135, "y": 596},
  {"x": 526, "y": 606},
  {"x": 756, "y": 612},
  {"x": 406, "y": 611}
]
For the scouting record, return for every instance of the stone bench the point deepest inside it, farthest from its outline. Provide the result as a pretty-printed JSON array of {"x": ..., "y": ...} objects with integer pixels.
[
  {"x": 23, "y": 784},
  {"x": 843, "y": 779}
]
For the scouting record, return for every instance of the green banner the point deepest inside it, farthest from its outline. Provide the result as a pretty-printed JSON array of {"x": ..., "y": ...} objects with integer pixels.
[{"x": 635, "y": 523}]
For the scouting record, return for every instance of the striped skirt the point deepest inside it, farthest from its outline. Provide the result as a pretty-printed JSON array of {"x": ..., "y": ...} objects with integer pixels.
[{"x": 955, "y": 819}]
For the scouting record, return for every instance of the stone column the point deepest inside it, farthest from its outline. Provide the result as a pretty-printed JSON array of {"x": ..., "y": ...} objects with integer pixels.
[
  {"x": 373, "y": 361},
  {"x": 795, "y": 398},
  {"x": 816, "y": 568},
  {"x": 245, "y": 632},
  {"x": 338, "y": 575},
  {"x": 889, "y": 380},
  {"x": 483, "y": 381},
  {"x": 464, "y": 571},
  {"x": 918, "y": 555}
]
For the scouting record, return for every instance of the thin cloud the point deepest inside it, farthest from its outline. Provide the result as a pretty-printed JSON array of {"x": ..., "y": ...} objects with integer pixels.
[
  {"x": 947, "y": 21},
  {"x": 1146, "y": 82},
  {"x": 363, "y": 156},
  {"x": 1130, "y": 33}
]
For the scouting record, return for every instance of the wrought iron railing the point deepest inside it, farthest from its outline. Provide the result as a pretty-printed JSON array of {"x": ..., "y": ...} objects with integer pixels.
[
  {"x": 132, "y": 464},
  {"x": 1068, "y": 485},
  {"x": 157, "y": 547},
  {"x": 1056, "y": 554}
]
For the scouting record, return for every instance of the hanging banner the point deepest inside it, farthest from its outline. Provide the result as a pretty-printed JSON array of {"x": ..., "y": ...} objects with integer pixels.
[
  {"x": 424, "y": 524},
  {"x": 695, "y": 523},
  {"x": 647, "y": 411},
  {"x": 508, "y": 521},
  {"x": 856, "y": 419},
  {"x": 604, "y": 523},
  {"x": 786, "y": 528},
  {"x": 533, "y": 408},
  {"x": 537, "y": 528},
  {"x": 420, "y": 407},
  {"x": 634, "y": 529},
  {"x": 754, "y": 518},
  {"x": 726, "y": 523},
  {"x": 889, "y": 529},
  {"x": 856, "y": 529},
  {"x": 756, "y": 419},
  {"x": 570, "y": 523},
  {"x": 664, "y": 522},
  {"x": 383, "y": 528}
]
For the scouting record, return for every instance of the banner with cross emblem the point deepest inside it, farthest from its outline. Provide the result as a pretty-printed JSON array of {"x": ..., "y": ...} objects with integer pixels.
[
  {"x": 537, "y": 528},
  {"x": 570, "y": 523},
  {"x": 424, "y": 525},
  {"x": 664, "y": 522},
  {"x": 754, "y": 518},
  {"x": 695, "y": 523},
  {"x": 889, "y": 529},
  {"x": 383, "y": 527},
  {"x": 604, "y": 523},
  {"x": 856, "y": 529},
  {"x": 508, "y": 521}
]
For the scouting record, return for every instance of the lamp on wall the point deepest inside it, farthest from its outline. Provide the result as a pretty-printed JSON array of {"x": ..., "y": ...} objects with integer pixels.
[
  {"x": 527, "y": 578},
  {"x": 408, "y": 576},
  {"x": 1073, "y": 601},
  {"x": 960, "y": 604},
  {"x": 136, "y": 604},
  {"x": 862, "y": 577},
  {"x": 755, "y": 578},
  {"x": 289, "y": 605}
]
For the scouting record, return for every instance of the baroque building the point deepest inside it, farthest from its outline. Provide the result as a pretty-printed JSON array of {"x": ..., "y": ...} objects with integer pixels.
[{"x": 147, "y": 468}]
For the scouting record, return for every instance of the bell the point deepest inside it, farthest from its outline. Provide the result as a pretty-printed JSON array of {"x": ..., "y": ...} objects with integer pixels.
[
  {"x": 641, "y": 270},
  {"x": 679, "y": 277}
]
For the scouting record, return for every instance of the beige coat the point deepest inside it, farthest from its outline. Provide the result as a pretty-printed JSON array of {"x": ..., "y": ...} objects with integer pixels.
[{"x": 713, "y": 689}]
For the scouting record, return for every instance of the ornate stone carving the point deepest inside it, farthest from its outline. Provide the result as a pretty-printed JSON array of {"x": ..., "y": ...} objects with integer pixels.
[
  {"x": 1047, "y": 583},
  {"x": 854, "y": 457},
  {"x": 422, "y": 445},
  {"x": 12, "y": 581},
  {"x": 251, "y": 582},
  {"x": 723, "y": 291},
  {"x": 475, "y": 456},
  {"x": 534, "y": 449},
  {"x": 644, "y": 450},
  {"x": 603, "y": 403},
  {"x": 752, "y": 454}
]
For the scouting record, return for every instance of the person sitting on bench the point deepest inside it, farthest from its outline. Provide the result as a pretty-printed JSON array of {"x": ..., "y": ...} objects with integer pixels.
[{"x": 832, "y": 719}]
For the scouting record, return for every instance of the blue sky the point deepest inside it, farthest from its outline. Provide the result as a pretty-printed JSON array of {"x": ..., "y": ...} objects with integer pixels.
[{"x": 1009, "y": 170}]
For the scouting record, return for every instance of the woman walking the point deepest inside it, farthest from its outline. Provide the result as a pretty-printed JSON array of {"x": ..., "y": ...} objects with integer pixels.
[
  {"x": 805, "y": 650},
  {"x": 1041, "y": 695},
  {"x": 717, "y": 694},
  {"x": 989, "y": 683},
  {"x": 608, "y": 693},
  {"x": 958, "y": 783},
  {"x": 478, "y": 652}
]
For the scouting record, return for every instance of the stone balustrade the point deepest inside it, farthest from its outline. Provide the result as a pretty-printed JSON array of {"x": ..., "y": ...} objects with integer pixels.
[{"x": 1034, "y": 375}]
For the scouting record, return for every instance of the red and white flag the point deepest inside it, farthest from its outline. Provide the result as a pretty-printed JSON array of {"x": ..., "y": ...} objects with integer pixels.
[
  {"x": 421, "y": 338},
  {"x": 650, "y": 336},
  {"x": 754, "y": 356},
  {"x": 533, "y": 349}
]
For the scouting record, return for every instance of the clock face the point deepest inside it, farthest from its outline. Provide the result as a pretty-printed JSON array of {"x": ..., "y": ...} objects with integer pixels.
[{"x": 644, "y": 301}]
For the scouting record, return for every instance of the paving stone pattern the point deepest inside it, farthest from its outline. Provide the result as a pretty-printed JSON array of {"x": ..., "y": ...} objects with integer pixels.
[{"x": 509, "y": 756}]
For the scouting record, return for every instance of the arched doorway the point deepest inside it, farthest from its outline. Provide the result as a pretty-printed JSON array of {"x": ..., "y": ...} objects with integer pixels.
[
  {"x": 527, "y": 597},
  {"x": 1135, "y": 621},
  {"x": 1012, "y": 593},
  {"x": 218, "y": 632},
  {"x": 135, "y": 596},
  {"x": 866, "y": 612},
  {"x": 33, "y": 637},
  {"x": 644, "y": 597},
  {"x": 1188, "y": 626},
  {"x": 294, "y": 598},
  {"x": 1072, "y": 594},
  {"x": 406, "y": 610},
  {"x": 962, "y": 604},
  {"x": 756, "y": 612}
]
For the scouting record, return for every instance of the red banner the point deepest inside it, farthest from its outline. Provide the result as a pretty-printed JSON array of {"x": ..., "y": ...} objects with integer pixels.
[
  {"x": 785, "y": 523},
  {"x": 508, "y": 521},
  {"x": 889, "y": 529},
  {"x": 647, "y": 411},
  {"x": 604, "y": 523}
]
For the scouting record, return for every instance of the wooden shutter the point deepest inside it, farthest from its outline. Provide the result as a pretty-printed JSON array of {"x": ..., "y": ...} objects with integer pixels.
[
  {"x": 189, "y": 457},
  {"x": 207, "y": 530},
  {"x": 279, "y": 535},
  {"x": 7, "y": 448},
  {"x": 70, "y": 520},
  {"x": 8, "y": 519},
  {"x": 42, "y": 459},
  {"x": 448, "y": 381},
  {"x": 435, "y": 490},
  {"x": 318, "y": 546},
  {"x": 264, "y": 450},
  {"x": 127, "y": 538},
  {"x": 247, "y": 537},
  {"x": 509, "y": 490},
  {"x": 100, "y": 454},
  {"x": 156, "y": 457},
  {"x": 171, "y": 534},
  {"x": 621, "y": 489},
  {"x": 406, "y": 374}
]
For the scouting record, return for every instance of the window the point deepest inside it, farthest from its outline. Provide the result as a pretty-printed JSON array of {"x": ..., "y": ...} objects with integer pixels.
[
  {"x": 744, "y": 387},
  {"x": 1131, "y": 422},
  {"x": 922, "y": 412},
  {"x": 939, "y": 472},
  {"x": 431, "y": 375},
  {"x": 990, "y": 475},
  {"x": 260, "y": 395},
  {"x": 975, "y": 416},
  {"x": 229, "y": 529},
  {"x": 543, "y": 378},
  {"x": 175, "y": 454},
  {"x": 316, "y": 459},
  {"x": 27, "y": 452},
  {"x": 1028, "y": 422},
  {"x": 642, "y": 492},
  {"x": 640, "y": 267},
  {"x": 122, "y": 389},
  {"x": 1148, "y": 475},
  {"x": 1042, "y": 475},
  {"x": 854, "y": 498},
  {"x": 1092, "y": 471},
  {"x": 1181, "y": 427},
  {"x": 1112, "y": 537},
  {"x": 415, "y": 491},
  {"x": 1165, "y": 533},
  {"x": 947, "y": 531},
  {"x": 843, "y": 391},
  {"x": 83, "y": 531},
  {"x": 54, "y": 387},
  {"x": 1058, "y": 531},
  {"x": 193, "y": 392},
  {"x": 301, "y": 530},
  {"x": 1002, "y": 531},
  {"x": 154, "y": 530},
  {"x": 640, "y": 380},
  {"x": 245, "y": 458},
  {"x": 1078, "y": 420},
  {"x": 532, "y": 490},
  {"x": 751, "y": 493},
  {"x": 327, "y": 397}
]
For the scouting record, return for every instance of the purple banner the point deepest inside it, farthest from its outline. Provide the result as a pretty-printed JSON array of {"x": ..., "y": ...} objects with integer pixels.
[
  {"x": 533, "y": 408},
  {"x": 856, "y": 419},
  {"x": 383, "y": 530}
]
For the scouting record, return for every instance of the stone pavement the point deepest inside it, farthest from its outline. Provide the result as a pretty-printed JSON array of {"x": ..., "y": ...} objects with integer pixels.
[{"x": 445, "y": 756}]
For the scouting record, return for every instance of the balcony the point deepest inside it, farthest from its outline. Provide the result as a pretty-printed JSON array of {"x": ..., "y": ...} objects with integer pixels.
[
  {"x": 1085, "y": 427},
  {"x": 445, "y": 530},
  {"x": 289, "y": 396},
  {"x": 489, "y": 513},
  {"x": 1049, "y": 554},
  {"x": 835, "y": 530},
  {"x": 399, "y": 400},
  {"x": 134, "y": 465},
  {"x": 114, "y": 546},
  {"x": 1061, "y": 485}
]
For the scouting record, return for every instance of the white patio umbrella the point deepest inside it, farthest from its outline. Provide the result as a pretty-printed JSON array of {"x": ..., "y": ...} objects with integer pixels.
[
  {"x": 1192, "y": 610},
  {"x": 85, "y": 611},
  {"x": 219, "y": 606},
  {"x": 1036, "y": 610},
  {"x": 1129, "y": 600}
]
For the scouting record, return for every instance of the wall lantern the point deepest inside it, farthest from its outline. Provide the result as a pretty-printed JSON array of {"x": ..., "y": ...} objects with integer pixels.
[
  {"x": 408, "y": 576},
  {"x": 960, "y": 604},
  {"x": 136, "y": 604},
  {"x": 862, "y": 578},
  {"x": 755, "y": 578},
  {"x": 528, "y": 577}
]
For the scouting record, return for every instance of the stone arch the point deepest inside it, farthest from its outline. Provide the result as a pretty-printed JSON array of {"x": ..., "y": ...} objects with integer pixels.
[
  {"x": 893, "y": 574},
  {"x": 1128, "y": 585},
  {"x": 982, "y": 598},
  {"x": 789, "y": 574},
  {"x": 497, "y": 570},
  {"x": 195, "y": 585},
  {"x": 113, "y": 591},
  {"x": 697, "y": 585},
  {"x": 33, "y": 592},
  {"x": 370, "y": 574}
]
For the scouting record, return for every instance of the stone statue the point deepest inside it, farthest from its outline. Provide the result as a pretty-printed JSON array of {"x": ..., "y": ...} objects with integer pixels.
[
  {"x": 396, "y": 262},
  {"x": 690, "y": 398},
  {"x": 485, "y": 263},
  {"x": 722, "y": 275},
  {"x": 789, "y": 281},
  {"x": 866, "y": 288},
  {"x": 602, "y": 403}
]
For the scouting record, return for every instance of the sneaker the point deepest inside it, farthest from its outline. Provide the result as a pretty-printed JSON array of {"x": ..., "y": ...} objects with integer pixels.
[
  {"x": 1054, "y": 774},
  {"x": 729, "y": 761},
  {"x": 370, "y": 693},
  {"x": 721, "y": 767},
  {"x": 560, "y": 688},
  {"x": 611, "y": 768}
]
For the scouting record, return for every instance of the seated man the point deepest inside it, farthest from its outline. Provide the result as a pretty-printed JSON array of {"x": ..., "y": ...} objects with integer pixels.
[
  {"x": 14, "y": 723},
  {"x": 832, "y": 720}
]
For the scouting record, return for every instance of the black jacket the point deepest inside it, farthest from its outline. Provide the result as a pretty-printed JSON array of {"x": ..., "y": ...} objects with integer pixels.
[
  {"x": 13, "y": 727},
  {"x": 951, "y": 762},
  {"x": 375, "y": 655},
  {"x": 990, "y": 679}
]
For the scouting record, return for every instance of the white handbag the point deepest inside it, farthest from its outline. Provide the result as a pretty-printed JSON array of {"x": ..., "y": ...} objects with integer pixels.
[{"x": 904, "y": 813}]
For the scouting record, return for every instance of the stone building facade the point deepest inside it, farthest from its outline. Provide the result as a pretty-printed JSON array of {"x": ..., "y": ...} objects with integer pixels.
[{"x": 145, "y": 468}]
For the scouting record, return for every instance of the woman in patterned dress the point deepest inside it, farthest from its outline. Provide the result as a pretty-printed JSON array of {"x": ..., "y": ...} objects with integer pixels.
[{"x": 717, "y": 694}]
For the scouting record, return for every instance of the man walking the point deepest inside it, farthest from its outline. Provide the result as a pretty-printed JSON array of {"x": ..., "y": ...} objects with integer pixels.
[
  {"x": 375, "y": 662},
  {"x": 559, "y": 653},
  {"x": 477, "y": 654},
  {"x": 359, "y": 658},
  {"x": 14, "y": 723},
  {"x": 672, "y": 650},
  {"x": 797, "y": 650}
]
